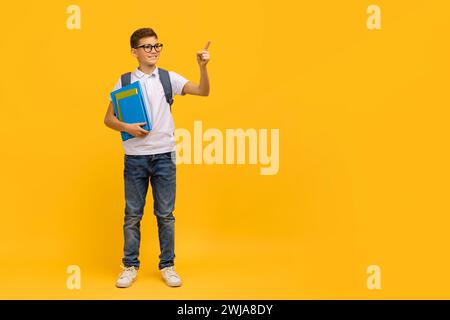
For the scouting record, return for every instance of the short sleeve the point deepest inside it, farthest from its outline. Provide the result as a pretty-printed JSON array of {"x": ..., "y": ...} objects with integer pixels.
[
  {"x": 177, "y": 82},
  {"x": 116, "y": 87}
]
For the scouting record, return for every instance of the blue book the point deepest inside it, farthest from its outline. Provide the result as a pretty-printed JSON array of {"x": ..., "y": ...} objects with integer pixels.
[{"x": 130, "y": 107}]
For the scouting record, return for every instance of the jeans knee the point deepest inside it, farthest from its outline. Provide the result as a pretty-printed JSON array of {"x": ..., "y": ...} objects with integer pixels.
[
  {"x": 133, "y": 217},
  {"x": 164, "y": 217},
  {"x": 134, "y": 208}
]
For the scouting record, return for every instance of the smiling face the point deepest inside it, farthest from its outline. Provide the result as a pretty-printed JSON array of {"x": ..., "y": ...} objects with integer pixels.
[{"x": 146, "y": 58}]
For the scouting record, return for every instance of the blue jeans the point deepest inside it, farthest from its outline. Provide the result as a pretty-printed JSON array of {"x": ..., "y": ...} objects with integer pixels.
[{"x": 160, "y": 169}]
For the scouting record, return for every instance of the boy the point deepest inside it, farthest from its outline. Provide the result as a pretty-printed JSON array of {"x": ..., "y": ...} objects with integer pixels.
[{"x": 150, "y": 155}]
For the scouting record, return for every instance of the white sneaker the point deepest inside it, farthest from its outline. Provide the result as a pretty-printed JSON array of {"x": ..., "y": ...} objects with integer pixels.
[
  {"x": 126, "y": 277},
  {"x": 171, "y": 278}
]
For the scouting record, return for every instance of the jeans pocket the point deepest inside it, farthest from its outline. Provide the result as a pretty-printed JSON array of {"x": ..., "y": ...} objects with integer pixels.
[{"x": 173, "y": 156}]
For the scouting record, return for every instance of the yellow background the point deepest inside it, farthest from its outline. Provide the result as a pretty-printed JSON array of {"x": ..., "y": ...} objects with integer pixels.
[{"x": 364, "y": 161}]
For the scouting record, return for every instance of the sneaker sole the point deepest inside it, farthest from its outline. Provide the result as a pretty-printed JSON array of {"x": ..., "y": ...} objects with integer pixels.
[
  {"x": 123, "y": 287},
  {"x": 173, "y": 285}
]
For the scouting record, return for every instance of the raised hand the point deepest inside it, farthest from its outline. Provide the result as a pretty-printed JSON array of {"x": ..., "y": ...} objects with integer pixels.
[{"x": 203, "y": 56}]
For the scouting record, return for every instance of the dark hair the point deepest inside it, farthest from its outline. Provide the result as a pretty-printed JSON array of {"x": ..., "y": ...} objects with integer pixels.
[{"x": 141, "y": 33}]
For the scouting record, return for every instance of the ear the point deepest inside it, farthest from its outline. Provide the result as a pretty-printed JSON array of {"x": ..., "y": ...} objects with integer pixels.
[{"x": 134, "y": 52}]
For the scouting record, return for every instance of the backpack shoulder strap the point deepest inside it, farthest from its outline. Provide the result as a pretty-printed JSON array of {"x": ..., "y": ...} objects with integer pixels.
[
  {"x": 167, "y": 86},
  {"x": 125, "y": 79}
]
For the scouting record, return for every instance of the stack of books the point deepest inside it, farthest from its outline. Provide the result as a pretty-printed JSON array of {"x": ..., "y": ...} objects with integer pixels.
[{"x": 130, "y": 107}]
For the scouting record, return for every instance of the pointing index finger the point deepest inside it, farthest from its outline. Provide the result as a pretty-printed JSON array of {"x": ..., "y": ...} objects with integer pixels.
[{"x": 207, "y": 45}]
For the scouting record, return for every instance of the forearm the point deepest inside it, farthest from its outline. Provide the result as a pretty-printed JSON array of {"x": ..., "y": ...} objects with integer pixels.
[
  {"x": 204, "y": 81},
  {"x": 115, "y": 124}
]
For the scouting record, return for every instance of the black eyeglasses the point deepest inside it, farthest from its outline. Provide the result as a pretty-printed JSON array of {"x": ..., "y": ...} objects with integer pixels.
[{"x": 148, "y": 47}]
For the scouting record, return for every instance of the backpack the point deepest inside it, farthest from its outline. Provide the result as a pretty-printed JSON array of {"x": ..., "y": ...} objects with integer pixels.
[{"x": 163, "y": 77}]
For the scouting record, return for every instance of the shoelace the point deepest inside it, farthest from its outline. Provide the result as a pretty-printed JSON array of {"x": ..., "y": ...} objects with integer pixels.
[{"x": 127, "y": 272}]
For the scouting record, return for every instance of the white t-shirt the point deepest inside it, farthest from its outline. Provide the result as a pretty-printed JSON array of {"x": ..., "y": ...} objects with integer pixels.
[{"x": 161, "y": 138}]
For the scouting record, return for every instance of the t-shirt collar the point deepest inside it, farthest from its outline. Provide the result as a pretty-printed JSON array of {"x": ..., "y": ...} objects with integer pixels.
[{"x": 138, "y": 73}]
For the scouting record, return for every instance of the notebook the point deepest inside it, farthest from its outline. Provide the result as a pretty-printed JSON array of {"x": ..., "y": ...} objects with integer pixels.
[{"x": 130, "y": 107}]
